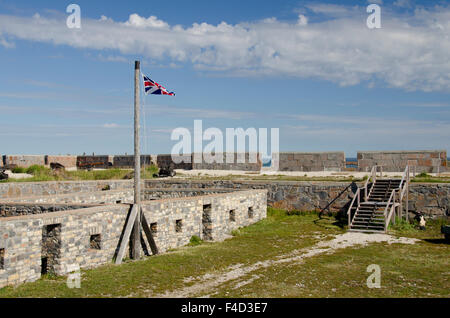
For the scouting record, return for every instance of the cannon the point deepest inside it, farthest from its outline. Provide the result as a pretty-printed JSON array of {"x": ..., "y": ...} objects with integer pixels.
[
  {"x": 3, "y": 175},
  {"x": 165, "y": 172},
  {"x": 56, "y": 166}
]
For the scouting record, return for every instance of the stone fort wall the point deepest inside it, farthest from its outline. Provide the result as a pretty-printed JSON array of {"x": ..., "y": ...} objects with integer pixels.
[
  {"x": 432, "y": 199},
  {"x": 428, "y": 161},
  {"x": 47, "y": 238},
  {"x": 310, "y": 161}
]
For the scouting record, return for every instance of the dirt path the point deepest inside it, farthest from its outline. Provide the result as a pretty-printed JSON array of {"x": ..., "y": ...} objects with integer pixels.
[{"x": 207, "y": 283}]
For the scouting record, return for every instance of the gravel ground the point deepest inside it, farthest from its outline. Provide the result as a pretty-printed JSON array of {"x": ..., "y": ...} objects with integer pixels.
[{"x": 208, "y": 282}]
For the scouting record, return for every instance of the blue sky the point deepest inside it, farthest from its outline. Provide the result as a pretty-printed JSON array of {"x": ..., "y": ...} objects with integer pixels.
[{"x": 312, "y": 69}]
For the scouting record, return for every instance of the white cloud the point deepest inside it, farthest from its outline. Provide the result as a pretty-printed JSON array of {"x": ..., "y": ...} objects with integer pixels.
[
  {"x": 330, "y": 9},
  {"x": 198, "y": 112},
  {"x": 112, "y": 125},
  {"x": 403, "y": 3},
  {"x": 409, "y": 52},
  {"x": 137, "y": 21},
  {"x": 373, "y": 132},
  {"x": 302, "y": 20},
  {"x": 113, "y": 58},
  {"x": 6, "y": 44}
]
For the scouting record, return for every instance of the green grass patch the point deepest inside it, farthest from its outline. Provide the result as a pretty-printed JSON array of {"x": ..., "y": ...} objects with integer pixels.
[
  {"x": 41, "y": 173},
  {"x": 19, "y": 170},
  {"x": 195, "y": 240},
  {"x": 419, "y": 270},
  {"x": 426, "y": 178}
]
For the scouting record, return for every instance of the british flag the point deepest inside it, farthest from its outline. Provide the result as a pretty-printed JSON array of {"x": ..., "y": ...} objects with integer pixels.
[{"x": 151, "y": 87}]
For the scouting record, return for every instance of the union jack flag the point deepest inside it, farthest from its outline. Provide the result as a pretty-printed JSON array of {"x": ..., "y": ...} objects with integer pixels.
[{"x": 151, "y": 87}]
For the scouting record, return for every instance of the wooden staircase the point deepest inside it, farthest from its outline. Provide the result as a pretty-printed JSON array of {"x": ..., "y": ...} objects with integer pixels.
[{"x": 374, "y": 205}]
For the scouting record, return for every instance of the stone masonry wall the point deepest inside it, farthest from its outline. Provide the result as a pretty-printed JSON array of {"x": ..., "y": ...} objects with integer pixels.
[
  {"x": 128, "y": 161},
  {"x": 309, "y": 161},
  {"x": 22, "y": 238},
  {"x": 300, "y": 195},
  {"x": 394, "y": 161},
  {"x": 240, "y": 161},
  {"x": 17, "y": 209},
  {"x": 66, "y": 161},
  {"x": 100, "y": 197},
  {"x": 156, "y": 194},
  {"x": 432, "y": 199},
  {"x": 23, "y": 189},
  {"x": 23, "y": 160},
  {"x": 166, "y": 213}
]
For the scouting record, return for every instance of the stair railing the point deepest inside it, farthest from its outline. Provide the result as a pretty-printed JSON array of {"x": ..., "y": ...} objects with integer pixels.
[
  {"x": 396, "y": 199},
  {"x": 391, "y": 206},
  {"x": 404, "y": 189},
  {"x": 373, "y": 178},
  {"x": 335, "y": 199},
  {"x": 356, "y": 198}
]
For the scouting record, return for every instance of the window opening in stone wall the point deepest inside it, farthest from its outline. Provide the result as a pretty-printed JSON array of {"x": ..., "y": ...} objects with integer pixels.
[
  {"x": 233, "y": 215},
  {"x": 51, "y": 247},
  {"x": 251, "y": 212},
  {"x": 95, "y": 242},
  {"x": 178, "y": 226},
  {"x": 154, "y": 228},
  {"x": 206, "y": 222},
  {"x": 2, "y": 258}
]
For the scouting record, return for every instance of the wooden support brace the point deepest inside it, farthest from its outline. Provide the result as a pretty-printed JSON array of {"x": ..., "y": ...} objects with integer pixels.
[
  {"x": 148, "y": 233},
  {"x": 126, "y": 234}
]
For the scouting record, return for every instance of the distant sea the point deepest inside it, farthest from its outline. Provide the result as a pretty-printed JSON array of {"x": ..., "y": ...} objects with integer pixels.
[{"x": 352, "y": 162}]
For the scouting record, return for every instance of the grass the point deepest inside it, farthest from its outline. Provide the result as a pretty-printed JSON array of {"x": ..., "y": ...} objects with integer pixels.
[
  {"x": 195, "y": 240},
  {"x": 426, "y": 178},
  {"x": 419, "y": 270},
  {"x": 41, "y": 173}
]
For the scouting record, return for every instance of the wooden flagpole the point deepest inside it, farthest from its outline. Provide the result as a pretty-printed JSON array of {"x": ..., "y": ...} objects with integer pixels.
[
  {"x": 136, "y": 235},
  {"x": 136, "y": 220}
]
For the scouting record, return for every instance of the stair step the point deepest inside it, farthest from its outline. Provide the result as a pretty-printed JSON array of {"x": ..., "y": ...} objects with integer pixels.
[
  {"x": 371, "y": 212},
  {"x": 366, "y": 231},
  {"x": 366, "y": 223},
  {"x": 368, "y": 217},
  {"x": 368, "y": 227}
]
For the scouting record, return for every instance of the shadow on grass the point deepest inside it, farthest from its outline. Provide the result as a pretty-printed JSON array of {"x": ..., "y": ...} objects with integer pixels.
[{"x": 437, "y": 241}]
